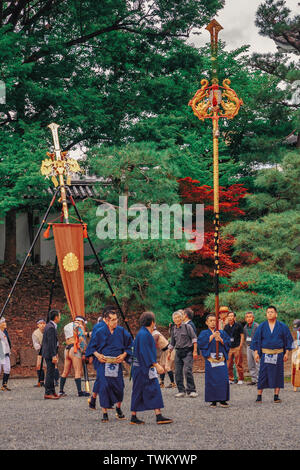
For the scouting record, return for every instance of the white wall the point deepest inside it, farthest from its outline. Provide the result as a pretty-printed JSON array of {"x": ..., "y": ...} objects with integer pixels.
[
  {"x": 46, "y": 247},
  {"x": 23, "y": 241}
]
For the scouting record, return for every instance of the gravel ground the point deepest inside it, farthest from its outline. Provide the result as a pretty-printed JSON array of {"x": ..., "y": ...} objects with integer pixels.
[{"x": 28, "y": 422}]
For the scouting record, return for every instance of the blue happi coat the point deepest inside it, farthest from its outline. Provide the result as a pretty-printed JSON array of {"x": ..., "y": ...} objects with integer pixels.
[
  {"x": 216, "y": 374},
  {"x": 92, "y": 346},
  {"x": 146, "y": 393},
  {"x": 271, "y": 372},
  {"x": 110, "y": 383}
]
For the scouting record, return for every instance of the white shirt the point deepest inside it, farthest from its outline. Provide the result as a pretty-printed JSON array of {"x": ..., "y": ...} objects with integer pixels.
[
  {"x": 68, "y": 330},
  {"x": 4, "y": 343}
]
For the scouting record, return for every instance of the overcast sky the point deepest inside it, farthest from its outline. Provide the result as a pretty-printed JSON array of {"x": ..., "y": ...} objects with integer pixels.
[{"x": 238, "y": 20}]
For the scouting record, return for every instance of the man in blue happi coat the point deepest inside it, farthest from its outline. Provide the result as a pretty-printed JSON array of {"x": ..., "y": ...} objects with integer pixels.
[
  {"x": 111, "y": 345},
  {"x": 271, "y": 343},
  {"x": 216, "y": 371},
  {"x": 92, "y": 346},
  {"x": 146, "y": 392}
]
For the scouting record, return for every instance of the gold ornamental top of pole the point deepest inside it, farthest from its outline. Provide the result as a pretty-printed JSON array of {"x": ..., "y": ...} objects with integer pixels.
[
  {"x": 58, "y": 166},
  {"x": 214, "y": 28},
  {"x": 215, "y": 101}
]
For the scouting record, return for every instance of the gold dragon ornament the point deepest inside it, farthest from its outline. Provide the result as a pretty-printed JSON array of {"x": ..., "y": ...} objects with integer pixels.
[
  {"x": 65, "y": 167},
  {"x": 215, "y": 101}
]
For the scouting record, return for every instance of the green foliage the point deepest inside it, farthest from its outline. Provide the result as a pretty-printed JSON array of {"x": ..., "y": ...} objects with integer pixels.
[
  {"x": 252, "y": 288},
  {"x": 273, "y": 239},
  {"x": 77, "y": 63},
  {"x": 276, "y": 189},
  {"x": 145, "y": 273},
  {"x": 19, "y": 169},
  {"x": 274, "y": 20},
  {"x": 272, "y": 236},
  {"x": 254, "y": 136},
  {"x": 262, "y": 282}
]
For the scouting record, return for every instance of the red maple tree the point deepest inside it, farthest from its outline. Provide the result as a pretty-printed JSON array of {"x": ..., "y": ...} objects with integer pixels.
[{"x": 191, "y": 191}]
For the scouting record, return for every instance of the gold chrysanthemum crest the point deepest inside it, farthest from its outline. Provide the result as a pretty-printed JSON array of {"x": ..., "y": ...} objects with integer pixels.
[{"x": 70, "y": 262}]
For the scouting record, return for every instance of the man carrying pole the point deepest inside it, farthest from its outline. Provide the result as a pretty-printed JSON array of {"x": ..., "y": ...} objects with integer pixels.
[
  {"x": 216, "y": 371},
  {"x": 209, "y": 103},
  {"x": 92, "y": 346}
]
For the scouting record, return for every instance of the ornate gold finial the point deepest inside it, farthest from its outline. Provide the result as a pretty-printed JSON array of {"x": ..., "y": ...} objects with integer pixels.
[
  {"x": 214, "y": 27},
  {"x": 215, "y": 101},
  {"x": 58, "y": 165}
]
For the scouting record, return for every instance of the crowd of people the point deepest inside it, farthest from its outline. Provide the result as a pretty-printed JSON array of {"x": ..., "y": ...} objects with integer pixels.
[{"x": 151, "y": 356}]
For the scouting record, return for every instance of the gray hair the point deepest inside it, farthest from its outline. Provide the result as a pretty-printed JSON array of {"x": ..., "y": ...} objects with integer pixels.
[
  {"x": 178, "y": 312},
  {"x": 296, "y": 324}
]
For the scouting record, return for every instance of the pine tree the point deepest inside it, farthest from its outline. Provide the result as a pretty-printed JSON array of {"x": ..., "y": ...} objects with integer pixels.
[
  {"x": 270, "y": 242},
  {"x": 146, "y": 272},
  {"x": 274, "y": 20}
]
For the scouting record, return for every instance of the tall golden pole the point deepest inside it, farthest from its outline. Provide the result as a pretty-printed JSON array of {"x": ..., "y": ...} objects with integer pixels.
[{"x": 209, "y": 102}]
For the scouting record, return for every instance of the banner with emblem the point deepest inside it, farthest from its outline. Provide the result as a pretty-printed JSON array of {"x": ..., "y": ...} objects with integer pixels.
[{"x": 68, "y": 240}]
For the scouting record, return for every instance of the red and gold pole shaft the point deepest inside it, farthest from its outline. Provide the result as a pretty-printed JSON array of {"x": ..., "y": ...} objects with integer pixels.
[
  {"x": 215, "y": 99},
  {"x": 216, "y": 212}
]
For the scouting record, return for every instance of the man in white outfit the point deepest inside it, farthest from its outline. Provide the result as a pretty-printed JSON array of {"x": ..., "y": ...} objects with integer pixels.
[{"x": 5, "y": 347}]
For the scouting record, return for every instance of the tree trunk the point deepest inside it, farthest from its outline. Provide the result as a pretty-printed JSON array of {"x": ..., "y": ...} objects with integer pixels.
[
  {"x": 298, "y": 141},
  {"x": 124, "y": 254},
  {"x": 124, "y": 306},
  {"x": 10, "y": 253}
]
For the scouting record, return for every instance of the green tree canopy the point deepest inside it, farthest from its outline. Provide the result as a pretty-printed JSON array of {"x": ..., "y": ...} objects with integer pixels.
[
  {"x": 275, "y": 21},
  {"x": 146, "y": 272},
  {"x": 77, "y": 63}
]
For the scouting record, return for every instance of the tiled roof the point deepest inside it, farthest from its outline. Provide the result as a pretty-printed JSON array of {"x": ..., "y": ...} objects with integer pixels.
[{"x": 81, "y": 189}]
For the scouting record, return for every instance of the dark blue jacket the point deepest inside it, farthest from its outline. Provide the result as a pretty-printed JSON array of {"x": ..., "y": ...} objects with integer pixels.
[{"x": 50, "y": 341}]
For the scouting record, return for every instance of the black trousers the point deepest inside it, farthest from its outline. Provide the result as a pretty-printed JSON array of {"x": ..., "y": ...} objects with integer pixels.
[{"x": 49, "y": 382}]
